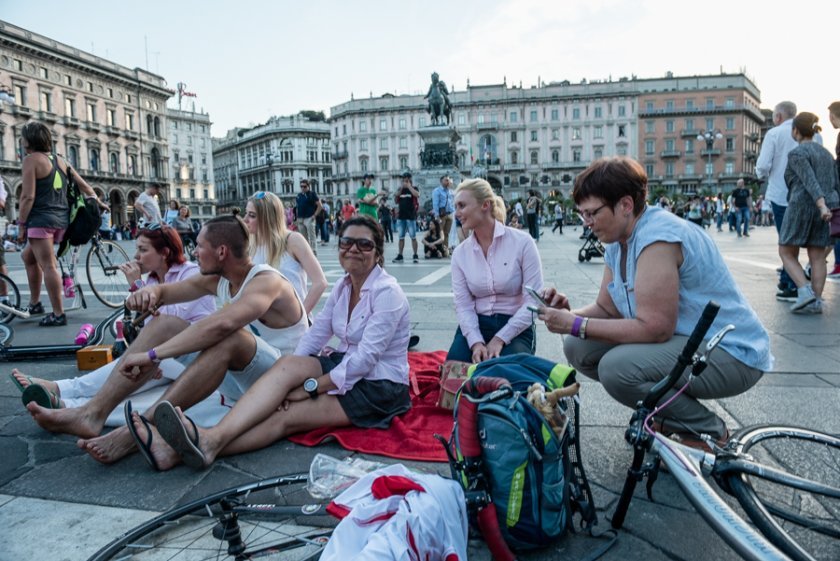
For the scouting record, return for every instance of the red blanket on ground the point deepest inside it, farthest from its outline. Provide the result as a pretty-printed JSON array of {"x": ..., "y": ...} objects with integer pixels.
[{"x": 410, "y": 436}]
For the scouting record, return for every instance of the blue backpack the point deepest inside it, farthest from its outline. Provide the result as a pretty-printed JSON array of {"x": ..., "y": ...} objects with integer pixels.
[{"x": 510, "y": 461}]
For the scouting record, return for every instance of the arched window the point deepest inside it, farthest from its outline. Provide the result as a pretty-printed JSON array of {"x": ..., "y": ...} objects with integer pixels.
[
  {"x": 157, "y": 127},
  {"x": 555, "y": 156},
  {"x": 114, "y": 162},
  {"x": 94, "y": 159},
  {"x": 150, "y": 125},
  {"x": 514, "y": 157},
  {"x": 363, "y": 164},
  {"x": 132, "y": 164},
  {"x": 155, "y": 163},
  {"x": 73, "y": 156},
  {"x": 535, "y": 157}
]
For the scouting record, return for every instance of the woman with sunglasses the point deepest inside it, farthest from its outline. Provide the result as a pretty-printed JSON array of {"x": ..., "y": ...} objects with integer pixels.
[
  {"x": 490, "y": 271},
  {"x": 159, "y": 256},
  {"x": 362, "y": 382},
  {"x": 44, "y": 216},
  {"x": 288, "y": 252}
]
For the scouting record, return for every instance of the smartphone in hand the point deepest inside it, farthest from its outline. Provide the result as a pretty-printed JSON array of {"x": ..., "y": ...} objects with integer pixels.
[{"x": 536, "y": 296}]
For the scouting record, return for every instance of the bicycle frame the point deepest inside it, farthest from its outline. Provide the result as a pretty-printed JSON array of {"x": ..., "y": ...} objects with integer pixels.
[{"x": 688, "y": 466}]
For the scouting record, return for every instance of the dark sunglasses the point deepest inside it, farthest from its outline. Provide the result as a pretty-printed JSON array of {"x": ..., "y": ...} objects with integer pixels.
[
  {"x": 260, "y": 195},
  {"x": 365, "y": 245}
]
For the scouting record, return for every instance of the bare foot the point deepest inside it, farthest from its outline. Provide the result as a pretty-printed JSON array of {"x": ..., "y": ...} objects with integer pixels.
[
  {"x": 26, "y": 381},
  {"x": 110, "y": 447},
  {"x": 165, "y": 457},
  {"x": 66, "y": 421}
]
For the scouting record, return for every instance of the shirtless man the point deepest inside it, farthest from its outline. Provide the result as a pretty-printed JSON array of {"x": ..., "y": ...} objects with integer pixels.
[{"x": 230, "y": 356}]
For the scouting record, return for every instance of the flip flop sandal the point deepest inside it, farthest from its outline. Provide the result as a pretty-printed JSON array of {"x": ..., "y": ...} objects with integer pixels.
[
  {"x": 42, "y": 396},
  {"x": 145, "y": 446},
  {"x": 173, "y": 431},
  {"x": 17, "y": 383}
]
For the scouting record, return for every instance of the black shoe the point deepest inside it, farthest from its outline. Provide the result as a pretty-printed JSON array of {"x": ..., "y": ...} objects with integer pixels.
[
  {"x": 416, "y": 259},
  {"x": 35, "y": 309},
  {"x": 398, "y": 259},
  {"x": 53, "y": 320},
  {"x": 788, "y": 295},
  {"x": 413, "y": 340}
]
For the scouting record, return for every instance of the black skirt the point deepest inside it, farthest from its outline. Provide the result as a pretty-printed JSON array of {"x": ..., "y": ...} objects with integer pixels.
[{"x": 369, "y": 403}]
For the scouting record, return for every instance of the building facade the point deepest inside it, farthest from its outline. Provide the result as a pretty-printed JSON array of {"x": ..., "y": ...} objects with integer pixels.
[
  {"x": 107, "y": 120},
  {"x": 698, "y": 134},
  {"x": 191, "y": 162},
  {"x": 274, "y": 157},
  {"x": 542, "y": 137}
]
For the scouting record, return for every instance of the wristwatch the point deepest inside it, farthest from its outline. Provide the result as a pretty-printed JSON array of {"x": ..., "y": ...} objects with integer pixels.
[{"x": 311, "y": 387}]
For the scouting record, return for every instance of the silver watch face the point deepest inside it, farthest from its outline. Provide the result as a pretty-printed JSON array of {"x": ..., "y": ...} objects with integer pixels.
[{"x": 310, "y": 385}]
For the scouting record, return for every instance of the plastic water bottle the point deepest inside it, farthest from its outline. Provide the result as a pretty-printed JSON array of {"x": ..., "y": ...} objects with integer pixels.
[
  {"x": 69, "y": 286},
  {"x": 119, "y": 345},
  {"x": 329, "y": 476},
  {"x": 84, "y": 334}
]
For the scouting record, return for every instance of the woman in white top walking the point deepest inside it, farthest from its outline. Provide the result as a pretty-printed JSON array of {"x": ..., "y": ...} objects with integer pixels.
[{"x": 273, "y": 244}]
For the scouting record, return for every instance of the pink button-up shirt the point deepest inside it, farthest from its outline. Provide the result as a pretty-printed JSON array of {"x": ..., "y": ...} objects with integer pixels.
[
  {"x": 495, "y": 284},
  {"x": 374, "y": 337}
]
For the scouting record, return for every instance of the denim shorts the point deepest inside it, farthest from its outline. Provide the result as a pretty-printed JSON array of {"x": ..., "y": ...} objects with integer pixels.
[
  {"x": 237, "y": 382},
  {"x": 410, "y": 225}
]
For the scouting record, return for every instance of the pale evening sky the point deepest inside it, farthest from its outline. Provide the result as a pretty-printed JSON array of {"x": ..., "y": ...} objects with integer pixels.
[{"x": 248, "y": 60}]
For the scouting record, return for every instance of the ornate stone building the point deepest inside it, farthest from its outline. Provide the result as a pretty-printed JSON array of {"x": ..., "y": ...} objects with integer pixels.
[
  {"x": 542, "y": 137},
  {"x": 191, "y": 162},
  {"x": 107, "y": 120},
  {"x": 273, "y": 156},
  {"x": 674, "y": 113}
]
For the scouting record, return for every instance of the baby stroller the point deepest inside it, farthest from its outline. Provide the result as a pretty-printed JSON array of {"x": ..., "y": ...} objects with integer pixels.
[{"x": 591, "y": 247}]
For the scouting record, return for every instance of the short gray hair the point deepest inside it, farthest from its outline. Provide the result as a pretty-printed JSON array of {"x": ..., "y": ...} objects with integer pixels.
[{"x": 787, "y": 109}]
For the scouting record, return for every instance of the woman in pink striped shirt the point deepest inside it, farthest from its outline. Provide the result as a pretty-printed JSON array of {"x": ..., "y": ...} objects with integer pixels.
[{"x": 490, "y": 271}]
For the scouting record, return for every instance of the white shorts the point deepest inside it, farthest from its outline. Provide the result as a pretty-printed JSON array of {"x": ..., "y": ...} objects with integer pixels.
[{"x": 237, "y": 382}]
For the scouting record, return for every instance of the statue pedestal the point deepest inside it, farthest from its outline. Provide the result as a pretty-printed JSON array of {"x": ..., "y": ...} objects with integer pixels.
[{"x": 438, "y": 157}]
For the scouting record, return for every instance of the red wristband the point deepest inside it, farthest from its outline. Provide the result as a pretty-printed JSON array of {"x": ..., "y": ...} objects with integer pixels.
[{"x": 575, "y": 332}]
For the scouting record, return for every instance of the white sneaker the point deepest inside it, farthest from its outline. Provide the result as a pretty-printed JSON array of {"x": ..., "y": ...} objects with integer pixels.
[
  {"x": 815, "y": 307},
  {"x": 805, "y": 296}
]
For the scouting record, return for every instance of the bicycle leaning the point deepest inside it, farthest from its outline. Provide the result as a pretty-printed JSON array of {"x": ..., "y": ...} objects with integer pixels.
[
  {"x": 102, "y": 265},
  {"x": 786, "y": 479}
]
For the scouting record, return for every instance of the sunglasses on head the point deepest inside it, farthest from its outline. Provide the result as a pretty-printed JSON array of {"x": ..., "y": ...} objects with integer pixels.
[
  {"x": 260, "y": 195},
  {"x": 154, "y": 226},
  {"x": 365, "y": 245}
]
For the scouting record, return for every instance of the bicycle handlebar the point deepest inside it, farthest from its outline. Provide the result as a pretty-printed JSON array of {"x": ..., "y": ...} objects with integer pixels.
[{"x": 661, "y": 388}]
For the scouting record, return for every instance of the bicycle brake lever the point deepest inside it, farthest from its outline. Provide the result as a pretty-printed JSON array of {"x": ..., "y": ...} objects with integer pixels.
[
  {"x": 717, "y": 338},
  {"x": 651, "y": 479}
]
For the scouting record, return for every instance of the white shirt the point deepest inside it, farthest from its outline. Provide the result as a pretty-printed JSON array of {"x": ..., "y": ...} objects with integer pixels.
[
  {"x": 374, "y": 337},
  {"x": 518, "y": 209},
  {"x": 151, "y": 207},
  {"x": 394, "y": 514},
  {"x": 772, "y": 161}
]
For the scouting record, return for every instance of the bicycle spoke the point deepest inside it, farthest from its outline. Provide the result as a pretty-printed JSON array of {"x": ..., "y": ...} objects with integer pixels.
[
  {"x": 811, "y": 519},
  {"x": 203, "y": 530}
]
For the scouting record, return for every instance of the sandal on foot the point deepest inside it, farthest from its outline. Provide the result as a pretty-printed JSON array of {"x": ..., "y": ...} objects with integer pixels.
[
  {"x": 35, "y": 309},
  {"x": 17, "y": 383},
  {"x": 173, "y": 431},
  {"x": 53, "y": 320},
  {"x": 145, "y": 446},
  {"x": 42, "y": 396}
]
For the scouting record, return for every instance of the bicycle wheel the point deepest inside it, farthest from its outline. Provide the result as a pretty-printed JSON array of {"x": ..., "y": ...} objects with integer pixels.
[
  {"x": 13, "y": 295},
  {"x": 6, "y": 335},
  {"x": 274, "y": 518},
  {"x": 799, "y": 516},
  {"x": 104, "y": 276}
]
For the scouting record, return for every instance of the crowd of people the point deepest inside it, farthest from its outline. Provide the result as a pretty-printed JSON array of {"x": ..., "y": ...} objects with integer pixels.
[{"x": 211, "y": 381}]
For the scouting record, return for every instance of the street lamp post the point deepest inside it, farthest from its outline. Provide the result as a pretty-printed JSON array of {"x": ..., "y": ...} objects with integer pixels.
[{"x": 709, "y": 137}]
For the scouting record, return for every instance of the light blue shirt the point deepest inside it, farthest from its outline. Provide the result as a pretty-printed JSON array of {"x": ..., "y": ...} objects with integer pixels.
[
  {"x": 442, "y": 198},
  {"x": 703, "y": 277}
]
